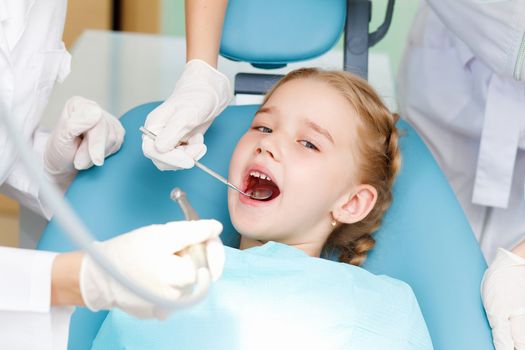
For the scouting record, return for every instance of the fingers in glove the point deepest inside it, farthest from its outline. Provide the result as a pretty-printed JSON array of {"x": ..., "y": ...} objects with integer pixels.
[
  {"x": 114, "y": 135},
  {"x": 178, "y": 235},
  {"x": 180, "y": 271},
  {"x": 117, "y": 133},
  {"x": 176, "y": 130},
  {"x": 104, "y": 139},
  {"x": 82, "y": 159},
  {"x": 215, "y": 254},
  {"x": 195, "y": 152},
  {"x": 92, "y": 147},
  {"x": 157, "y": 119},
  {"x": 112, "y": 142},
  {"x": 80, "y": 115},
  {"x": 194, "y": 147},
  {"x": 97, "y": 138},
  {"x": 173, "y": 160}
]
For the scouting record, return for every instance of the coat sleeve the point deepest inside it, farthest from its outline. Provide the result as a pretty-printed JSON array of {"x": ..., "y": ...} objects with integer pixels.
[
  {"x": 27, "y": 318},
  {"x": 22, "y": 188}
]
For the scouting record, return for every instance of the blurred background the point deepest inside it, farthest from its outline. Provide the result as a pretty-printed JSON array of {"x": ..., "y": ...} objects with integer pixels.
[{"x": 166, "y": 18}]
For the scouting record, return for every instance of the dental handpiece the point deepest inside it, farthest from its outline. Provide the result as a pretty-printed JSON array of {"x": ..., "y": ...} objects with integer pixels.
[{"x": 197, "y": 252}]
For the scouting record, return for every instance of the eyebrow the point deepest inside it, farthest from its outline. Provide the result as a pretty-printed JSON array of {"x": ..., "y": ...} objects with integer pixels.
[
  {"x": 265, "y": 110},
  {"x": 319, "y": 130},
  {"x": 309, "y": 123}
]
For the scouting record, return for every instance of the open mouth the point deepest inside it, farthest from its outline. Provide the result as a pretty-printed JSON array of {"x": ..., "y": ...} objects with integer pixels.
[{"x": 260, "y": 186}]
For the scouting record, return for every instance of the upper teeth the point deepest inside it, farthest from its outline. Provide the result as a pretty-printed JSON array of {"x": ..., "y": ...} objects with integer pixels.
[{"x": 260, "y": 175}]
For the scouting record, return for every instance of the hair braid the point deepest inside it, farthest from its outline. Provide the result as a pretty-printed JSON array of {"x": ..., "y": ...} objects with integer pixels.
[
  {"x": 354, "y": 241},
  {"x": 380, "y": 157}
]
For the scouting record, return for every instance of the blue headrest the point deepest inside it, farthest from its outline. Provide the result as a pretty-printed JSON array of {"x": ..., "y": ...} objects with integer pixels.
[
  {"x": 425, "y": 239},
  {"x": 275, "y": 32}
]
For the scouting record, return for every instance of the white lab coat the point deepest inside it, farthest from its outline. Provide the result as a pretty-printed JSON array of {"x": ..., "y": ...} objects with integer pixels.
[
  {"x": 461, "y": 84},
  {"x": 32, "y": 58}
]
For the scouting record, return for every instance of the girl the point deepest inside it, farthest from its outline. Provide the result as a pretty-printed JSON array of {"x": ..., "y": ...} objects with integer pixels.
[{"x": 327, "y": 148}]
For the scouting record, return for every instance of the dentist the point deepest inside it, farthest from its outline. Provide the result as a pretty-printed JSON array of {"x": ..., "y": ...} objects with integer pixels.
[
  {"x": 37, "y": 289},
  {"x": 462, "y": 85}
]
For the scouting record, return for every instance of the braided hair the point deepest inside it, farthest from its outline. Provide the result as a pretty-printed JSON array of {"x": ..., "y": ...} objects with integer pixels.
[{"x": 379, "y": 157}]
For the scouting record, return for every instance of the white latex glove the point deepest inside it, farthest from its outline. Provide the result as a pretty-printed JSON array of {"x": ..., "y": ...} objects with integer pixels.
[
  {"x": 201, "y": 93},
  {"x": 147, "y": 256},
  {"x": 503, "y": 292},
  {"x": 84, "y": 135}
]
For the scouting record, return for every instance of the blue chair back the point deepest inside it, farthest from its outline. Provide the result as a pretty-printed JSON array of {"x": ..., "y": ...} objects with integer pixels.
[{"x": 425, "y": 239}]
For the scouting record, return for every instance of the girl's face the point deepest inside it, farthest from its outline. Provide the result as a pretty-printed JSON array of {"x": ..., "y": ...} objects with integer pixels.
[{"x": 303, "y": 141}]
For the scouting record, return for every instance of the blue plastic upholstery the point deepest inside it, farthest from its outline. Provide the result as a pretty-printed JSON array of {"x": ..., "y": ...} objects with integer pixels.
[
  {"x": 425, "y": 240},
  {"x": 276, "y": 32}
]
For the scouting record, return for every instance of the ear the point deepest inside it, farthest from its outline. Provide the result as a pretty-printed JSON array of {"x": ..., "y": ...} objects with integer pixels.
[{"x": 355, "y": 206}]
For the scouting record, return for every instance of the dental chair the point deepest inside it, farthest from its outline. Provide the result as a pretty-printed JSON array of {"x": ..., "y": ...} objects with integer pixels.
[{"x": 425, "y": 239}]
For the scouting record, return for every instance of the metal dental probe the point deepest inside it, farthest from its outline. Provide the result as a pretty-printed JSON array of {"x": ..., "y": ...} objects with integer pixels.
[{"x": 255, "y": 195}]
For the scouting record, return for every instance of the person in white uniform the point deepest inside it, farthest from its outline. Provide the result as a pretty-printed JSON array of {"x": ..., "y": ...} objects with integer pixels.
[
  {"x": 461, "y": 84},
  {"x": 38, "y": 288}
]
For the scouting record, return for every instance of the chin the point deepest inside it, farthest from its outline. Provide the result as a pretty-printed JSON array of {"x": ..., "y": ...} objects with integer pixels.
[
  {"x": 255, "y": 229},
  {"x": 252, "y": 218},
  {"x": 245, "y": 227}
]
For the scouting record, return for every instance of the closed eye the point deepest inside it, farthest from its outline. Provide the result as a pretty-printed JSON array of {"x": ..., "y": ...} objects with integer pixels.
[{"x": 309, "y": 145}]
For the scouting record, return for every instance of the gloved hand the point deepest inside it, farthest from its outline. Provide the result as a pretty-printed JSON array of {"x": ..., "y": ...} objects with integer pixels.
[
  {"x": 84, "y": 135},
  {"x": 503, "y": 292},
  {"x": 201, "y": 93},
  {"x": 147, "y": 256}
]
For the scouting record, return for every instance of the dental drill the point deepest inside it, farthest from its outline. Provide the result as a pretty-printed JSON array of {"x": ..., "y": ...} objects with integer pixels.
[{"x": 196, "y": 252}]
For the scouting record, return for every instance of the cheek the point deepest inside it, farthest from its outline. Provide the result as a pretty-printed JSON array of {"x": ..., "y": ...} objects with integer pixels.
[
  {"x": 239, "y": 157},
  {"x": 307, "y": 180},
  {"x": 321, "y": 179},
  {"x": 238, "y": 161}
]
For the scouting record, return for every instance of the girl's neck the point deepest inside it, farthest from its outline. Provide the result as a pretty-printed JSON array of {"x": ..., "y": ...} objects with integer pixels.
[{"x": 311, "y": 248}]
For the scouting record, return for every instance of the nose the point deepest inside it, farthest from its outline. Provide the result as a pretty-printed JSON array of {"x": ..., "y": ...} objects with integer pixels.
[{"x": 267, "y": 147}]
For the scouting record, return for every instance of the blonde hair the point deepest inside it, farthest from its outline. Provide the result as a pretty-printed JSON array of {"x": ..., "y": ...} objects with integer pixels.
[{"x": 380, "y": 158}]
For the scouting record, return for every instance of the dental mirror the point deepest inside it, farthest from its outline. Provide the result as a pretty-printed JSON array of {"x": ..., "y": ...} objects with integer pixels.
[{"x": 258, "y": 194}]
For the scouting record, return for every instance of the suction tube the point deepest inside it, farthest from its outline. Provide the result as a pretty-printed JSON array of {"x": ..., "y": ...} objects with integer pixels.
[{"x": 80, "y": 235}]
